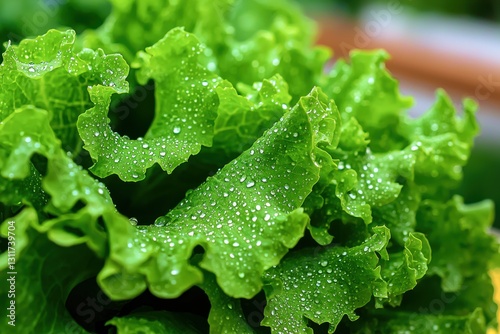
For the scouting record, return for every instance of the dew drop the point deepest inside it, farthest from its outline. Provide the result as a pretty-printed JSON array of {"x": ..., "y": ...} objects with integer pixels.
[{"x": 160, "y": 221}]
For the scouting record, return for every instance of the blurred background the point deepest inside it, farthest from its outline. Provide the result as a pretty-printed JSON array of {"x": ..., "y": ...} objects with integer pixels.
[{"x": 433, "y": 43}]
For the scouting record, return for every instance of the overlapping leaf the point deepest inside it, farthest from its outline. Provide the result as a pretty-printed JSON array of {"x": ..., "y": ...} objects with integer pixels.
[
  {"x": 441, "y": 142},
  {"x": 404, "y": 269},
  {"x": 27, "y": 131},
  {"x": 246, "y": 217},
  {"x": 226, "y": 314},
  {"x": 277, "y": 41},
  {"x": 44, "y": 276},
  {"x": 324, "y": 284},
  {"x": 452, "y": 227},
  {"x": 365, "y": 90},
  {"x": 380, "y": 179},
  {"x": 184, "y": 115},
  {"x": 48, "y": 73},
  {"x": 70, "y": 204},
  {"x": 242, "y": 119},
  {"x": 134, "y": 25}
]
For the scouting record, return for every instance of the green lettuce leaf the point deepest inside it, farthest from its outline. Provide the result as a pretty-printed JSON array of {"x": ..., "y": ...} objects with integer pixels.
[
  {"x": 451, "y": 228},
  {"x": 184, "y": 115},
  {"x": 400, "y": 215},
  {"x": 242, "y": 119},
  {"x": 48, "y": 73},
  {"x": 44, "y": 275},
  {"x": 428, "y": 309},
  {"x": 378, "y": 185},
  {"x": 366, "y": 91},
  {"x": 362, "y": 183},
  {"x": 231, "y": 176},
  {"x": 73, "y": 208},
  {"x": 403, "y": 269},
  {"x": 271, "y": 52},
  {"x": 441, "y": 142},
  {"x": 135, "y": 25},
  {"x": 323, "y": 285},
  {"x": 369, "y": 180},
  {"x": 277, "y": 41},
  {"x": 64, "y": 182},
  {"x": 226, "y": 314},
  {"x": 245, "y": 217}
]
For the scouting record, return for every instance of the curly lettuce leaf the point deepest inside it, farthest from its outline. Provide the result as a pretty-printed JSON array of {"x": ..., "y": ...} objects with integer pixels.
[
  {"x": 366, "y": 91},
  {"x": 27, "y": 131},
  {"x": 404, "y": 269},
  {"x": 44, "y": 276},
  {"x": 400, "y": 215},
  {"x": 372, "y": 169},
  {"x": 361, "y": 184},
  {"x": 135, "y": 25},
  {"x": 378, "y": 180},
  {"x": 48, "y": 73},
  {"x": 245, "y": 217},
  {"x": 324, "y": 284},
  {"x": 273, "y": 52},
  {"x": 369, "y": 180},
  {"x": 277, "y": 41},
  {"x": 242, "y": 119},
  {"x": 455, "y": 228},
  {"x": 73, "y": 208},
  {"x": 427, "y": 162},
  {"x": 184, "y": 115},
  {"x": 429, "y": 309},
  {"x": 441, "y": 142},
  {"x": 226, "y": 314}
]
